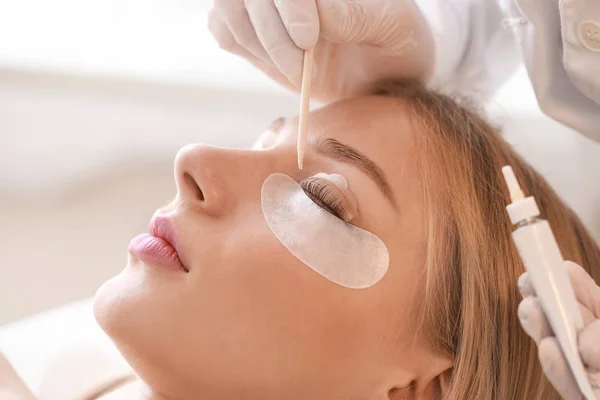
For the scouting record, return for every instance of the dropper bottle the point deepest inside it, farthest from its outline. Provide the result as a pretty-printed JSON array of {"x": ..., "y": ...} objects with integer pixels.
[{"x": 545, "y": 264}]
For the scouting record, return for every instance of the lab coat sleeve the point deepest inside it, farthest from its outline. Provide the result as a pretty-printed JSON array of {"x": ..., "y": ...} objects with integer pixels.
[
  {"x": 560, "y": 42},
  {"x": 475, "y": 49}
]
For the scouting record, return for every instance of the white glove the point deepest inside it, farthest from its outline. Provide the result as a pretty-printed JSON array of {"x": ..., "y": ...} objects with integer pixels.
[
  {"x": 536, "y": 325},
  {"x": 357, "y": 41}
]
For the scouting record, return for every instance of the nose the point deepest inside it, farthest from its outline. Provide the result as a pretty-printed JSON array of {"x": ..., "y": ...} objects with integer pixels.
[{"x": 203, "y": 175}]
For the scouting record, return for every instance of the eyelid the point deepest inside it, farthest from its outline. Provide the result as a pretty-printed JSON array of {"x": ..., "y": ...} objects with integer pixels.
[
  {"x": 341, "y": 183},
  {"x": 331, "y": 197}
]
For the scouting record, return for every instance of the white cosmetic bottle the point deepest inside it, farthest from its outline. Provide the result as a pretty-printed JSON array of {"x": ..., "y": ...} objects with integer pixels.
[{"x": 545, "y": 264}]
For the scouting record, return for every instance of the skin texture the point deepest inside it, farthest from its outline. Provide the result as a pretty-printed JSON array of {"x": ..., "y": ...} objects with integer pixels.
[{"x": 251, "y": 321}]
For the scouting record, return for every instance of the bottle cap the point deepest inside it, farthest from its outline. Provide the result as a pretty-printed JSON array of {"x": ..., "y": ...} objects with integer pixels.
[
  {"x": 521, "y": 210},
  {"x": 521, "y": 207}
]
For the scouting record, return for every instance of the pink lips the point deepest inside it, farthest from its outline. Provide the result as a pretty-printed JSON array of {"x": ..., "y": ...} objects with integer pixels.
[{"x": 158, "y": 247}]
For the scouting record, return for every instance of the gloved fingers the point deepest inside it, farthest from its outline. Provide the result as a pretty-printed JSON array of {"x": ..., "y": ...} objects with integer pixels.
[
  {"x": 344, "y": 20},
  {"x": 534, "y": 320},
  {"x": 220, "y": 31},
  {"x": 301, "y": 20},
  {"x": 236, "y": 17},
  {"x": 557, "y": 370},
  {"x": 594, "y": 378},
  {"x": 589, "y": 345},
  {"x": 274, "y": 37},
  {"x": 586, "y": 290},
  {"x": 525, "y": 285},
  {"x": 382, "y": 23}
]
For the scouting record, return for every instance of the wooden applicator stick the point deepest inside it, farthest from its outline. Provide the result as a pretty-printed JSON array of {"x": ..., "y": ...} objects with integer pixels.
[{"x": 304, "y": 105}]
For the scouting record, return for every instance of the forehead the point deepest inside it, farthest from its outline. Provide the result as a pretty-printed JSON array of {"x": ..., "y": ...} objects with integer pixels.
[{"x": 378, "y": 127}]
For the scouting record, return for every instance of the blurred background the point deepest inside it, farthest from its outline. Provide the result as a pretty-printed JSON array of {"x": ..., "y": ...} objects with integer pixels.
[{"x": 96, "y": 98}]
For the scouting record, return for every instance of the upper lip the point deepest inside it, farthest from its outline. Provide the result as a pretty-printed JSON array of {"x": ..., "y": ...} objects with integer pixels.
[{"x": 161, "y": 227}]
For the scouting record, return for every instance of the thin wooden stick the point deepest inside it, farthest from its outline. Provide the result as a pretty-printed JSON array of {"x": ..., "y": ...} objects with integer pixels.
[{"x": 304, "y": 105}]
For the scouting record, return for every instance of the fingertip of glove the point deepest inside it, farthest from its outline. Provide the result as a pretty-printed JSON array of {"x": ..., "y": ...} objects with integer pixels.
[
  {"x": 577, "y": 273},
  {"x": 525, "y": 286},
  {"x": 589, "y": 347},
  {"x": 297, "y": 76},
  {"x": 304, "y": 35},
  {"x": 549, "y": 354},
  {"x": 301, "y": 21}
]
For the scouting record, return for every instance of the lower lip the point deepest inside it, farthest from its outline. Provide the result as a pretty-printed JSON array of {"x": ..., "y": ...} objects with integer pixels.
[{"x": 155, "y": 251}]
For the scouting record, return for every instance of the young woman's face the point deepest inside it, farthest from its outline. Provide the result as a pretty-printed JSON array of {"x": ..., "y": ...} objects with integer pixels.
[{"x": 249, "y": 320}]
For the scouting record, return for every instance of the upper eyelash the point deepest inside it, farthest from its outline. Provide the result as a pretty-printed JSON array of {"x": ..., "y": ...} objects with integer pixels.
[{"x": 324, "y": 196}]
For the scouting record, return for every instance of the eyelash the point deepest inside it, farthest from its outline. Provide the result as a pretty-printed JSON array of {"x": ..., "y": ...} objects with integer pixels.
[{"x": 324, "y": 196}]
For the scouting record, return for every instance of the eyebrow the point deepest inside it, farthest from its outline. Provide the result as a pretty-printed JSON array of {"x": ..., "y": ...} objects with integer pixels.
[{"x": 337, "y": 150}]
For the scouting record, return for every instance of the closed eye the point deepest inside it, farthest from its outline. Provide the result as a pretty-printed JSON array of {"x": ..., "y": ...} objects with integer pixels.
[{"x": 326, "y": 196}]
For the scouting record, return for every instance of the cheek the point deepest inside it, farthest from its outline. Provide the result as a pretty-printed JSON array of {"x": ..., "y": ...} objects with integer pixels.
[
  {"x": 260, "y": 293},
  {"x": 256, "y": 273},
  {"x": 261, "y": 313},
  {"x": 283, "y": 318}
]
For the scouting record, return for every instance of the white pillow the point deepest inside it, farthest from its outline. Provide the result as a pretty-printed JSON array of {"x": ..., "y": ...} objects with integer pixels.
[{"x": 62, "y": 353}]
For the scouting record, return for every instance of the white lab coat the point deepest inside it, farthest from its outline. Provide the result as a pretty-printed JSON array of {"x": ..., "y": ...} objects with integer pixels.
[{"x": 480, "y": 42}]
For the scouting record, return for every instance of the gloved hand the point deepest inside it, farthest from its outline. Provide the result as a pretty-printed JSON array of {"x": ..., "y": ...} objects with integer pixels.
[
  {"x": 536, "y": 325},
  {"x": 357, "y": 41}
]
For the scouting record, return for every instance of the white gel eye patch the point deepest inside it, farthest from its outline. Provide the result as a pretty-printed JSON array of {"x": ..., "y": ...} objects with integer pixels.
[{"x": 340, "y": 252}]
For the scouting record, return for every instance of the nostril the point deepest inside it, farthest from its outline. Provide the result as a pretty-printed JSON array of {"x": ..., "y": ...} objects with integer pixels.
[{"x": 191, "y": 182}]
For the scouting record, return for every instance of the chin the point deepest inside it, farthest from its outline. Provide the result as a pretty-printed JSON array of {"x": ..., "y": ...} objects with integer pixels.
[
  {"x": 124, "y": 310},
  {"x": 119, "y": 305},
  {"x": 112, "y": 303},
  {"x": 140, "y": 317},
  {"x": 132, "y": 300}
]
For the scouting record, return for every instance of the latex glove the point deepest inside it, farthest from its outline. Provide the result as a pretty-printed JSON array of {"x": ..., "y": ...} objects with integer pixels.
[
  {"x": 11, "y": 385},
  {"x": 536, "y": 325},
  {"x": 357, "y": 41}
]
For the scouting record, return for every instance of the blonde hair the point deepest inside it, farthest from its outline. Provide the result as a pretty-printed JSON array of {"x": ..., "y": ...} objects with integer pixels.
[{"x": 472, "y": 266}]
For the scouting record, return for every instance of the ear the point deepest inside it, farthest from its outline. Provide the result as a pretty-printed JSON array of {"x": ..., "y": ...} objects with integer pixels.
[
  {"x": 437, "y": 388},
  {"x": 431, "y": 386}
]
